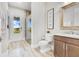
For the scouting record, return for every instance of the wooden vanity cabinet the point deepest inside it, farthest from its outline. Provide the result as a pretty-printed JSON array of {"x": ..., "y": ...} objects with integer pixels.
[
  {"x": 59, "y": 47},
  {"x": 72, "y": 50},
  {"x": 66, "y": 46}
]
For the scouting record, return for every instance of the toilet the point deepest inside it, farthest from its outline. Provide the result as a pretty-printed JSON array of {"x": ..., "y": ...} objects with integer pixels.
[{"x": 45, "y": 43}]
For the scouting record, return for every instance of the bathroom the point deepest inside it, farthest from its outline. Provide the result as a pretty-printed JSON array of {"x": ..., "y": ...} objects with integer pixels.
[{"x": 40, "y": 24}]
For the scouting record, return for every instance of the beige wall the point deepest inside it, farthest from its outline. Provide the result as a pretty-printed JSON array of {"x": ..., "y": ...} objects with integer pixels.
[
  {"x": 3, "y": 33},
  {"x": 38, "y": 22}
]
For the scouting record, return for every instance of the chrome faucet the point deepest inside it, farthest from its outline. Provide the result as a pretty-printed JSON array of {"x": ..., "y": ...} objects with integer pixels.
[
  {"x": 72, "y": 32},
  {"x": 75, "y": 33}
]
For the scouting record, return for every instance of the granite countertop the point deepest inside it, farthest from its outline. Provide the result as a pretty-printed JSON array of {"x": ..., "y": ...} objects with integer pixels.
[{"x": 68, "y": 35}]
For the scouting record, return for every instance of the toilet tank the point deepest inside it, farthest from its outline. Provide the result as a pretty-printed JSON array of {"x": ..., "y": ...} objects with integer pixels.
[{"x": 48, "y": 37}]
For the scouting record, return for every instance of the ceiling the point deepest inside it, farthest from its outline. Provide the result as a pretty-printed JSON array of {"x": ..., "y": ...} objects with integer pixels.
[{"x": 21, "y": 5}]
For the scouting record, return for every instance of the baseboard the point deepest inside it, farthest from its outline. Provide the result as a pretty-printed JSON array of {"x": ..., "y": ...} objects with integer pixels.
[{"x": 15, "y": 40}]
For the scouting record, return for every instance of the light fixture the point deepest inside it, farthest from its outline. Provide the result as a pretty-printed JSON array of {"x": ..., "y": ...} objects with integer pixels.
[{"x": 65, "y": 3}]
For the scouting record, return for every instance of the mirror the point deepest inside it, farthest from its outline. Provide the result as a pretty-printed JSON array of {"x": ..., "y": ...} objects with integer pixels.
[
  {"x": 76, "y": 15},
  {"x": 70, "y": 16}
]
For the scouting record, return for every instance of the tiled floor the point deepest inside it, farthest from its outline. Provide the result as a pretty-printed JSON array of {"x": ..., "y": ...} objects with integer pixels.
[
  {"x": 46, "y": 54},
  {"x": 23, "y": 49}
]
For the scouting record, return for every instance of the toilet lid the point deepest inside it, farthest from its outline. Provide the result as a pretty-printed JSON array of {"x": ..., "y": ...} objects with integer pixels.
[{"x": 43, "y": 42}]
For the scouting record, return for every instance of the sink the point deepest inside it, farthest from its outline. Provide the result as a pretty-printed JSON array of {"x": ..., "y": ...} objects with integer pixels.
[{"x": 71, "y": 32}]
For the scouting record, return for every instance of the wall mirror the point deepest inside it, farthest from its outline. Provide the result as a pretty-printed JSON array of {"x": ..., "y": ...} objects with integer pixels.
[
  {"x": 70, "y": 16},
  {"x": 50, "y": 19}
]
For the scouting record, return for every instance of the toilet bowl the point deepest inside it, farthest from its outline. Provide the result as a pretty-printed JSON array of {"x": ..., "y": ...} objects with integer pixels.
[
  {"x": 45, "y": 43},
  {"x": 44, "y": 46}
]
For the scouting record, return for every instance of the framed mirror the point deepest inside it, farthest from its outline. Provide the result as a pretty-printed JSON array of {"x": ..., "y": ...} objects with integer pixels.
[
  {"x": 16, "y": 25},
  {"x": 70, "y": 16},
  {"x": 50, "y": 19}
]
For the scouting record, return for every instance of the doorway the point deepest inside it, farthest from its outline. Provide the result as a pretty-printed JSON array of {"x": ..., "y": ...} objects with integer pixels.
[
  {"x": 14, "y": 15},
  {"x": 28, "y": 28}
]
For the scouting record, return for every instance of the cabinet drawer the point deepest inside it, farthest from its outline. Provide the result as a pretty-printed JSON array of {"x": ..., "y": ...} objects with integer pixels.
[
  {"x": 72, "y": 41},
  {"x": 61, "y": 38},
  {"x": 67, "y": 40}
]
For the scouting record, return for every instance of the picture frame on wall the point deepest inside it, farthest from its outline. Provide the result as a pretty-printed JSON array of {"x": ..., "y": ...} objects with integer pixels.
[
  {"x": 50, "y": 19},
  {"x": 16, "y": 24}
]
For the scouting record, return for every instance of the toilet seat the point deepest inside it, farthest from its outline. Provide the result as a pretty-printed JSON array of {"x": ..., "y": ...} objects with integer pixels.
[{"x": 44, "y": 46}]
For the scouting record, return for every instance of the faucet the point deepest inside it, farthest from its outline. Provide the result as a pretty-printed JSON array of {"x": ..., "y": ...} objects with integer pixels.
[{"x": 72, "y": 32}]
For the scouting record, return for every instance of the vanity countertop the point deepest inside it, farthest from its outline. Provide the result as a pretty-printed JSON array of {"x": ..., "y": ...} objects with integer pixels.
[{"x": 68, "y": 35}]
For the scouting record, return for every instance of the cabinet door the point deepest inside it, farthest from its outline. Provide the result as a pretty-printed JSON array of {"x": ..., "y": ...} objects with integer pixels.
[
  {"x": 59, "y": 48},
  {"x": 72, "y": 50}
]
